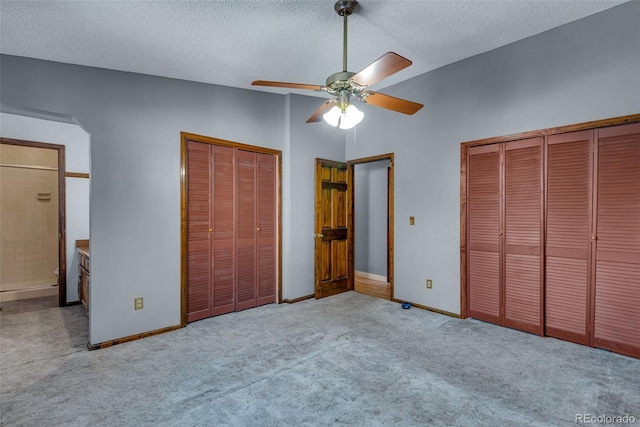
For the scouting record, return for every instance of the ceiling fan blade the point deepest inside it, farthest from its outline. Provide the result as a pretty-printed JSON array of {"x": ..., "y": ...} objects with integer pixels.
[
  {"x": 286, "y": 84},
  {"x": 391, "y": 103},
  {"x": 317, "y": 115},
  {"x": 383, "y": 67}
]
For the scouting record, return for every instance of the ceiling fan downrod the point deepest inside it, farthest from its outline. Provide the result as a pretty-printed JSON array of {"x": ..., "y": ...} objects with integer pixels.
[{"x": 345, "y": 8}]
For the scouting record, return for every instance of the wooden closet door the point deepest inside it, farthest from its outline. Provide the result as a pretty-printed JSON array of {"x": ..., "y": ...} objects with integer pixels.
[
  {"x": 246, "y": 231},
  {"x": 198, "y": 243},
  {"x": 223, "y": 244},
  {"x": 523, "y": 213},
  {"x": 568, "y": 236},
  {"x": 617, "y": 254},
  {"x": 267, "y": 228},
  {"x": 484, "y": 232}
]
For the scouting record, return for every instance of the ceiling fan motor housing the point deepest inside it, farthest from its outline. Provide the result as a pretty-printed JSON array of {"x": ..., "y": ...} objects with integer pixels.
[{"x": 345, "y": 7}]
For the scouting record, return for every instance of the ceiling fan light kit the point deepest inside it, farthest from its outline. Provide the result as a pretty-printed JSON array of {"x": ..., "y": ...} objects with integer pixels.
[{"x": 339, "y": 112}]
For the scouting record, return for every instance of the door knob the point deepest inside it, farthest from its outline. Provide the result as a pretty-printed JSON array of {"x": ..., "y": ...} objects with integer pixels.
[
  {"x": 258, "y": 228},
  {"x": 211, "y": 230}
]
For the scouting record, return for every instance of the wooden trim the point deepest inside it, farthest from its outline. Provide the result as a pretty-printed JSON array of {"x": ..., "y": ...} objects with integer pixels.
[
  {"x": 391, "y": 204},
  {"x": 111, "y": 343},
  {"x": 62, "y": 225},
  {"x": 82, "y": 242},
  {"x": 183, "y": 229},
  {"x": 225, "y": 143},
  {"x": 614, "y": 121},
  {"x": 464, "y": 150},
  {"x": 372, "y": 159},
  {"x": 424, "y": 307},
  {"x": 76, "y": 175},
  {"x": 295, "y": 300},
  {"x": 41, "y": 168},
  {"x": 184, "y": 138}
]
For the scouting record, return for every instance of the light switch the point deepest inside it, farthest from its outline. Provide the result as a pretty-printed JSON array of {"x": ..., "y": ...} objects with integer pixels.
[{"x": 412, "y": 220}]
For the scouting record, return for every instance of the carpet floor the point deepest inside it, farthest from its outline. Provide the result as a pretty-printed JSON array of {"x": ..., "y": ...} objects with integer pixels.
[{"x": 349, "y": 359}]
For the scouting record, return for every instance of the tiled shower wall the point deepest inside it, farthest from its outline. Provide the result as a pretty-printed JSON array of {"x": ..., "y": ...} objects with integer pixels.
[{"x": 28, "y": 217}]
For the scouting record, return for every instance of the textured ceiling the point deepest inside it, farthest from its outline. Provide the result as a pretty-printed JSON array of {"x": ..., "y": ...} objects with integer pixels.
[{"x": 233, "y": 42}]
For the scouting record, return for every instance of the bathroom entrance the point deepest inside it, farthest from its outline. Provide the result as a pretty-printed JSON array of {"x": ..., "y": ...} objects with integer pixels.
[{"x": 32, "y": 222}]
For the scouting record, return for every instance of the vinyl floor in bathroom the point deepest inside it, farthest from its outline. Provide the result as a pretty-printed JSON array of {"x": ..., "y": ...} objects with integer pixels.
[{"x": 28, "y": 305}]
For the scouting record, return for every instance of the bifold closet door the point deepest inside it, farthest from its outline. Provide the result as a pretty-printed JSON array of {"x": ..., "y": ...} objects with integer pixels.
[
  {"x": 223, "y": 224},
  {"x": 617, "y": 253},
  {"x": 198, "y": 244},
  {"x": 256, "y": 232},
  {"x": 568, "y": 236},
  {"x": 266, "y": 236},
  {"x": 523, "y": 235},
  {"x": 483, "y": 204}
]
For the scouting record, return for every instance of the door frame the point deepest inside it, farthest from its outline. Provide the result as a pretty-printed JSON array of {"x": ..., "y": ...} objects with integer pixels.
[
  {"x": 62, "y": 224},
  {"x": 390, "y": 213},
  {"x": 184, "y": 138}
]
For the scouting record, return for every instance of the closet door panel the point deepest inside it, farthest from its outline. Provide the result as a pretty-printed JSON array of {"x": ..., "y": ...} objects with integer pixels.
[
  {"x": 484, "y": 232},
  {"x": 247, "y": 229},
  {"x": 567, "y": 291},
  {"x": 617, "y": 255},
  {"x": 267, "y": 228},
  {"x": 223, "y": 300},
  {"x": 198, "y": 243},
  {"x": 522, "y": 219}
]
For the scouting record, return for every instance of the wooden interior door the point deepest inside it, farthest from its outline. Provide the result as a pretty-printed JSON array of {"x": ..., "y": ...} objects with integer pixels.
[
  {"x": 246, "y": 229},
  {"x": 568, "y": 236},
  {"x": 331, "y": 232},
  {"x": 523, "y": 234},
  {"x": 484, "y": 233},
  {"x": 617, "y": 240}
]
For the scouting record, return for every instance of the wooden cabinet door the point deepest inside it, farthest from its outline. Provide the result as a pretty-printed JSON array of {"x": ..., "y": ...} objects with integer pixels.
[
  {"x": 568, "y": 232},
  {"x": 523, "y": 213},
  {"x": 484, "y": 238},
  {"x": 331, "y": 272},
  {"x": 617, "y": 240}
]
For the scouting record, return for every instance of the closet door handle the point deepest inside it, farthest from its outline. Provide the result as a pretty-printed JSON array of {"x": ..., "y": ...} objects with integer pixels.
[
  {"x": 211, "y": 230},
  {"x": 258, "y": 228}
]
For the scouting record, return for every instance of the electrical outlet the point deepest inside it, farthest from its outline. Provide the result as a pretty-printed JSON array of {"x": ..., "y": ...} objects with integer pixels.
[
  {"x": 138, "y": 303},
  {"x": 429, "y": 283}
]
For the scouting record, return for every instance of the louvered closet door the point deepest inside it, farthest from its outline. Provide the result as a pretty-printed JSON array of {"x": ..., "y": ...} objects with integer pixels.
[
  {"x": 198, "y": 244},
  {"x": 523, "y": 235},
  {"x": 267, "y": 231},
  {"x": 484, "y": 228},
  {"x": 247, "y": 228},
  {"x": 223, "y": 245},
  {"x": 568, "y": 237},
  {"x": 617, "y": 254}
]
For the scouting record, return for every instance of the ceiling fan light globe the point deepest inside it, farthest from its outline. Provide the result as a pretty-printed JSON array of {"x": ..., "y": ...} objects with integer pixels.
[
  {"x": 332, "y": 117},
  {"x": 351, "y": 117}
]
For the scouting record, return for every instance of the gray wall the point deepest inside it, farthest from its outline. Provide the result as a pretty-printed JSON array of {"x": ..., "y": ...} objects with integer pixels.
[
  {"x": 135, "y": 123},
  {"x": 582, "y": 71},
  {"x": 370, "y": 217},
  {"x": 306, "y": 142}
]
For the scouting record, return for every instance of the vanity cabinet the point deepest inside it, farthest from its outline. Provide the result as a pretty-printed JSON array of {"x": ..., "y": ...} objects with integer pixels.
[{"x": 83, "y": 277}]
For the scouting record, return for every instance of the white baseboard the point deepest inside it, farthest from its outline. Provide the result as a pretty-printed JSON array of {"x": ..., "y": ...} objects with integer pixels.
[{"x": 371, "y": 276}]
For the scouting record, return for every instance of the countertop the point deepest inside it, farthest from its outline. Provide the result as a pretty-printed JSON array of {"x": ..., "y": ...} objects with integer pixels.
[{"x": 83, "y": 246}]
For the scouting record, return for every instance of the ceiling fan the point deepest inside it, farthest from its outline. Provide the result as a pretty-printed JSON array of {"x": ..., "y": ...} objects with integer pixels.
[{"x": 345, "y": 84}]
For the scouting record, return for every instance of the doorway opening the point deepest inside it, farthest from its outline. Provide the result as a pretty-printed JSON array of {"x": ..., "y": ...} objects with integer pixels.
[
  {"x": 371, "y": 224},
  {"x": 33, "y": 222}
]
